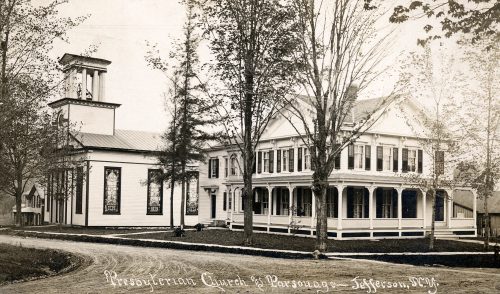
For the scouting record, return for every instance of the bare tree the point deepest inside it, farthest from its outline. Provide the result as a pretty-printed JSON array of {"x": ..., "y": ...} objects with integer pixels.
[
  {"x": 477, "y": 116},
  {"x": 28, "y": 78},
  {"x": 339, "y": 57},
  {"x": 252, "y": 42},
  {"x": 433, "y": 84}
]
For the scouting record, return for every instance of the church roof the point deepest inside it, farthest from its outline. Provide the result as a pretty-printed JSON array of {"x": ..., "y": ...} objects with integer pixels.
[{"x": 125, "y": 140}]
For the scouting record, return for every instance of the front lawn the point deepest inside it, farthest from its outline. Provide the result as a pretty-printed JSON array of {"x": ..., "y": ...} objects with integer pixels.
[
  {"x": 19, "y": 263},
  {"x": 87, "y": 231},
  {"x": 274, "y": 241}
]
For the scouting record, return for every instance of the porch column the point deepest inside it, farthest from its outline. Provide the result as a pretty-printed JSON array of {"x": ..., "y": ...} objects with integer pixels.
[
  {"x": 269, "y": 205},
  {"x": 449, "y": 199},
  {"x": 83, "y": 94},
  {"x": 290, "y": 204},
  {"x": 72, "y": 84},
  {"x": 230, "y": 191},
  {"x": 340, "y": 189},
  {"x": 474, "y": 207},
  {"x": 95, "y": 86},
  {"x": 424, "y": 209},
  {"x": 102, "y": 81},
  {"x": 370, "y": 205},
  {"x": 400, "y": 206}
]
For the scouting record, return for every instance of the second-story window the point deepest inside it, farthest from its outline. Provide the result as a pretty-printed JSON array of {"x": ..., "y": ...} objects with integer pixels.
[
  {"x": 234, "y": 165},
  {"x": 307, "y": 159},
  {"x": 358, "y": 156},
  {"x": 387, "y": 158},
  {"x": 266, "y": 162},
  {"x": 285, "y": 160},
  {"x": 213, "y": 168}
]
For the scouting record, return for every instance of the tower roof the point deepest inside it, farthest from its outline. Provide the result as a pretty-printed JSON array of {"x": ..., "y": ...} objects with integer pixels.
[{"x": 69, "y": 60}]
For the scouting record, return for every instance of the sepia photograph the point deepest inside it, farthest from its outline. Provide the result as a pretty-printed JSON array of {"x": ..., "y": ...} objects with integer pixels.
[{"x": 250, "y": 146}]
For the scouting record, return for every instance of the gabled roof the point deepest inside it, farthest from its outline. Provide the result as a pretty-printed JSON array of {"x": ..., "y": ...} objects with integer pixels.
[{"x": 124, "y": 140}]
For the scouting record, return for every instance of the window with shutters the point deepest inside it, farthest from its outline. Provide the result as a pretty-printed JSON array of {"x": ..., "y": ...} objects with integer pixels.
[
  {"x": 368, "y": 157},
  {"x": 350, "y": 156},
  {"x": 358, "y": 156},
  {"x": 79, "y": 190},
  {"x": 271, "y": 161},
  {"x": 266, "y": 162},
  {"x": 230, "y": 200},
  {"x": 224, "y": 201},
  {"x": 291, "y": 163},
  {"x": 336, "y": 162}
]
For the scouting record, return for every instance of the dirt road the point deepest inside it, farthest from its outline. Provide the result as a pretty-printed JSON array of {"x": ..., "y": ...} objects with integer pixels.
[{"x": 126, "y": 269}]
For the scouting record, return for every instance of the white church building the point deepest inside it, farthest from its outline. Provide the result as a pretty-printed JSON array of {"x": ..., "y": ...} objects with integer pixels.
[{"x": 369, "y": 196}]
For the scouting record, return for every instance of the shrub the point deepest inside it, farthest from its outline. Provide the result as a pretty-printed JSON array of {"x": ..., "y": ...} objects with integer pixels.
[
  {"x": 199, "y": 227},
  {"x": 179, "y": 232}
]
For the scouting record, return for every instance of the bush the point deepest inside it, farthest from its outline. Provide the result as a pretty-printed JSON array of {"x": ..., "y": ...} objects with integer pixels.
[
  {"x": 199, "y": 227},
  {"x": 179, "y": 232}
]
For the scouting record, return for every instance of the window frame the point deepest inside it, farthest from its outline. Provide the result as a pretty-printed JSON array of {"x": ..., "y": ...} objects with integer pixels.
[
  {"x": 160, "y": 184},
  {"x": 118, "y": 192}
]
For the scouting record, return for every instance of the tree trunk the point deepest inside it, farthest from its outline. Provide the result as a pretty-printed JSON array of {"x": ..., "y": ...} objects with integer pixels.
[
  {"x": 320, "y": 192},
  {"x": 19, "y": 222},
  {"x": 486, "y": 223},
  {"x": 172, "y": 185},
  {"x": 248, "y": 212},
  {"x": 183, "y": 193},
  {"x": 433, "y": 220}
]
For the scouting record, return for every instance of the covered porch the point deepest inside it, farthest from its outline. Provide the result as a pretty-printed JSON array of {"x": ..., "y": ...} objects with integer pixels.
[{"x": 354, "y": 211}]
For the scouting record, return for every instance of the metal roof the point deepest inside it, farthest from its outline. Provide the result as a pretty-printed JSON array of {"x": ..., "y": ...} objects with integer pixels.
[{"x": 126, "y": 140}]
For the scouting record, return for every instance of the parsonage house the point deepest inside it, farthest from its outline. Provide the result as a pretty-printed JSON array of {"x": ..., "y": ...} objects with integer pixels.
[{"x": 369, "y": 195}]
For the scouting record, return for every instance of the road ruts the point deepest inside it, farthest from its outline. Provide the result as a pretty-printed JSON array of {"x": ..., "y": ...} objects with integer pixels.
[{"x": 142, "y": 263}]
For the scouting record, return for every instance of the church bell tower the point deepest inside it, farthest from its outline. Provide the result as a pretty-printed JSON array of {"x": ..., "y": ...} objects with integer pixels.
[{"x": 84, "y": 104}]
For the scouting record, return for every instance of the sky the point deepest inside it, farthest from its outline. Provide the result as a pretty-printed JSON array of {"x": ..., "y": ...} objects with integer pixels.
[{"x": 121, "y": 30}]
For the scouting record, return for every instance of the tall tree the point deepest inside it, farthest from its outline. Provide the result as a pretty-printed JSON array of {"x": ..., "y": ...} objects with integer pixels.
[
  {"x": 432, "y": 84},
  {"x": 338, "y": 57},
  {"x": 477, "y": 116},
  {"x": 252, "y": 42},
  {"x": 187, "y": 133},
  {"x": 477, "y": 19},
  {"x": 28, "y": 78}
]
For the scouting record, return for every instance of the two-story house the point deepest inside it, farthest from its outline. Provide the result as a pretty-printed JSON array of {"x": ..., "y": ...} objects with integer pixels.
[{"x": 370, "y": 195}]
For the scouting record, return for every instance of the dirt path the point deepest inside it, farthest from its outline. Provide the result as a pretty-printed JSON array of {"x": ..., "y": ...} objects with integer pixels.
[{"x": 155, "y": 266}]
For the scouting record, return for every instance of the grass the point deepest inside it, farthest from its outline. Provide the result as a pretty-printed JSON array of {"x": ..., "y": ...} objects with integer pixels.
[
  {"x": 19, "y": 263},
  {"x": 469, "y": 261},
  {"x": 492, "y": 239},
  {"x": 274, "y": 241},
  {"x": 83, "y": 230}
]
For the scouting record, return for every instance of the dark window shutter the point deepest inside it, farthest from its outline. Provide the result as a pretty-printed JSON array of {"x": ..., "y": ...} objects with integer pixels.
[
  {"x": 226, "y": 167},
  {"x": 395, "y": 163},
  {"x": 290, "y": 160},
  {"x": 379, "y": 198},
  {"x": 278, "y": 161},
  {"x": 405, "y": 160},
  {"x": 420, "y": 161},
  {"x": 224, "y": 204},
  {"x": 209, "y": 168},
  {"x": 299, "y": 159},
  {"x": 380, "y": 158},
  {"x": 271, "y": 161},
  {"x": 350, "y": 203},
  {"x": 217, "y": 168},
  {"x": 336, "y": 162},
  {"x": 350, "y": 157},
  {"x": 366, "y": 203},
  {"x": 368, "y": 157},
  {"x": 254, "y": 163},
  {"x": 259, "y": 162}
]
